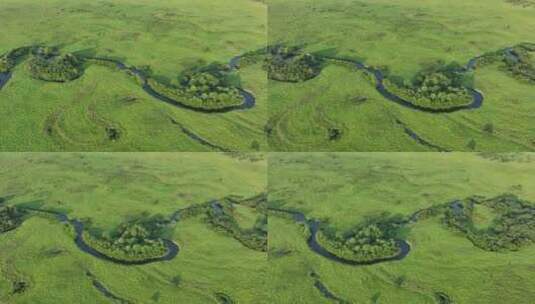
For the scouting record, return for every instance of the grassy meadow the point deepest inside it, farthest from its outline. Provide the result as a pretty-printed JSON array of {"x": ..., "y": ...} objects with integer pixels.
[
  {"x": 344, "y": 189},
  {"x": 106, "y": 189},
  {"x": 401, "y": 37},
  {"x": 167, "y": 37}
]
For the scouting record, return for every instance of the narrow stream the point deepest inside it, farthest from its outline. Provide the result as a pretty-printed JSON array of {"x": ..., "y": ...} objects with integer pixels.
[
  {"x": 477, "y": 97},
  {"x": 4, "y": 78},
  {"x": 172, "y": 248},
  {"x": 248, "y": 98},
  {"x": 312, "y": 242}
]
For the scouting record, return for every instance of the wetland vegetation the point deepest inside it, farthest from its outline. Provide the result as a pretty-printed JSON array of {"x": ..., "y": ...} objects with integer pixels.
[
  {"x": 398, "y": 227},
  {"x": 131, "y": 228},
  {"x": 451, "y": 74},
  {"x": 112, "y": 76}
]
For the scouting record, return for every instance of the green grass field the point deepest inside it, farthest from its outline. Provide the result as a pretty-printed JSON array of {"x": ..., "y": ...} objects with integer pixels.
[
  {"x": 107, "y": 189},
  {"x": 342, "y": 190},
  {"x": 169, "y": 37},
  {"x": 401, "y": 37}
]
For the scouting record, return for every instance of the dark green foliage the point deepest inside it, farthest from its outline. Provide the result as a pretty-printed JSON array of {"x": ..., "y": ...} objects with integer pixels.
[
  {"x": 489, "y": 128},
  {"x": 513, "y": 227},
  {"x": 289, "y": 64},
  {"x": 176, "y": 280},
  {"x": 365, "y": 243},
  {"x": 399, "y": 280},
  {"x": 156, "y": 296},
  {"x": 19, "y": 287},
  {"x": 47, "y": 64},
  {"x": 5, "y": 64},
  {"x": 113, "y": 133},
  {"x": 436, "y": 86},
  {"x": 223, "y": 298},
  {"x": 193, "y": 210},
  {"x": 220, "y": 217},
  {"x": 10, "y": 218},
  {"x": 442, "y": 298},
  {"x": 472, "y": 144},
  {"x": 9, "y": 60},
  {"x": 252, "y": 57},
  {"x": 134, "y": 240},
  {"x": 207, "y": 88},
  {"x": 334, "y": 133},
  {"x": 255, "y": 145}
]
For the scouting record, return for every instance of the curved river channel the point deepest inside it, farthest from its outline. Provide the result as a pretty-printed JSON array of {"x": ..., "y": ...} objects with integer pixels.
[
  {"x": 249, "y": 100},
  {"x": 312, "y": 242},
  {"x": 477, "y": 96},
  {"x": 172, "y": 247}
]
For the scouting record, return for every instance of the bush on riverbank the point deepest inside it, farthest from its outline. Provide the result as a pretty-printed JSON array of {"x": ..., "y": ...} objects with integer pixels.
[
  {"x": 133, "y": 241},
  {"x": 46, "y": 64},
  {"x": 362, "y": 244},
  {"x": 438, "y": 86},
  {"x": 10, "y": 218},
  {"x": 289, "y": 64}
]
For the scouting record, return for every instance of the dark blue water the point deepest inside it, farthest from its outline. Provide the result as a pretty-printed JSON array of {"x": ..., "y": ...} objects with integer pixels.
[
  {"x": 313, "y": 226},
  {"x": 172, "y": 248},
  {"x": 4, "y": 78},
  {"x": 248, "y": 98},
  {"x": 477, "y": 97}
]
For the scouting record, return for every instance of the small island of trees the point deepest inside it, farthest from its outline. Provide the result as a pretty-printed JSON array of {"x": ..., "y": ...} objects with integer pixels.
[
  {"x": 438, "y": 86},
  {"x": 133, "y": 241},
  {"x": 48, "y": 65},
  {"x": 290, "y": 64},
  {"x": 207, "y": 88},
  {"x": 362, "y": 244}
]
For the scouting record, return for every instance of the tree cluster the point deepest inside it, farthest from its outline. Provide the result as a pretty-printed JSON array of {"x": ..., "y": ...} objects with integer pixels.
[
  {"x": 367, "y": 243},
  {"x": 136, "y": 240},
  {"x": 48, "y": 65},
  {"x": 290, "y": 64},
  {"x": 437, "y": 86},
  {"x": 203, "y": 89},
  {"x": 10, "y": 218}
]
